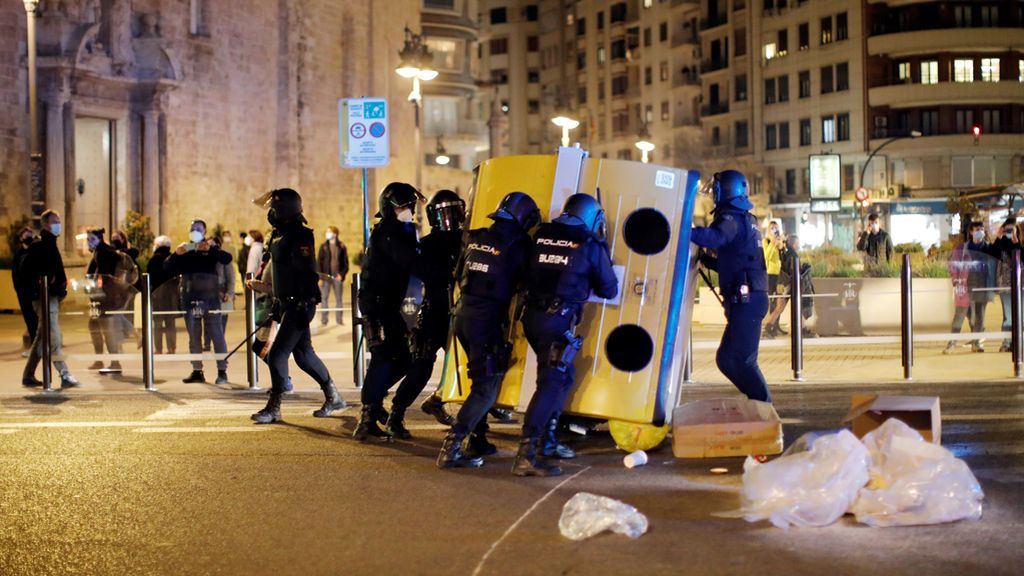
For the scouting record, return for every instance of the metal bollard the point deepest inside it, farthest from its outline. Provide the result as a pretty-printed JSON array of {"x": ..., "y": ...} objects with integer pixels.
[
  {"x": 907, "y": 318},
  {"x": 147, "y": 334},
  {"x": 688, "y": 366},
  {"x": 251, "y": 366},
  {"x": 796, "y": 333},
  {"x": 358, "y": 354},
  {"x": 1017, "y": 342},
  {"x": 44, "y": 328}
]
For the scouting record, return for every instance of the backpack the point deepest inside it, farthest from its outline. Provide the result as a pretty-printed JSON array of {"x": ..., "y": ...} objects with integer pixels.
[{"x": 127, "y": 270}]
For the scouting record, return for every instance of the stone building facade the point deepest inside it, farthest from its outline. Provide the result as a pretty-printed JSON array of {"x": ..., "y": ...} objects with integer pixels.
[{"x": 189, "y": 108}]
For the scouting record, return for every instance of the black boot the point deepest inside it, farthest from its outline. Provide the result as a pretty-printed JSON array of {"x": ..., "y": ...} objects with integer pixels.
[
  {"x": 332, "y": 401},
  {"x": 271, "y": 412},
  {"x": 479, "y": 446},
  {"x": 396, "y": 423},
  {"x": 452, "y": 456},
  {"x": 368, "y": 424},
  {"x": 380, "y": 415},
  {"x": 503, "y": 415},
  {"x": 551, "y": 447},
  {"x": 527, "y": 464},
  {"x": 196, "y": 377},
  {"x": 435, "y": 407}
]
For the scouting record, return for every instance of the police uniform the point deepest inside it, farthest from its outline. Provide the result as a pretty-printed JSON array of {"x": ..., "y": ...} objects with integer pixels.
[{"x": 743, "y": 280}]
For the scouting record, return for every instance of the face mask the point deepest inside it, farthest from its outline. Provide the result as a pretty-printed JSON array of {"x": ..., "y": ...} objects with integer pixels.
[
  {"x": 405, "y": 216},
  {"x": 875, "y": 227},
  {"x": 329, "y": 235},
  {"x": 248, "y": 240},
  {"x": 979, "y": 235},
  {"x": 195, "y": 236},
  {"x": 55, "y": 229}
]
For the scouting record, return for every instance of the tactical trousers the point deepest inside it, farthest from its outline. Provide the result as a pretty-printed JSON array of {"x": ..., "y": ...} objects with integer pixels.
[
  {"x": 198, "y": 320},
  {"x": 737, "y": 353},
  {"x": 293, "y": 340},
  {"x": 389, "y": 360},
  {"x": 425, "y": 344},
  {"x": 544, "y": 331},
  {"x": 478, "y": 328}
]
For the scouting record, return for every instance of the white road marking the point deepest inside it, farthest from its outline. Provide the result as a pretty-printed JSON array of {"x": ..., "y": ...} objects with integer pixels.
[
  {"x": 8, "y": 431},
  {"x": 194, "y": 429},
  {"x": 519, "y": 521},
  {"x": 492, "y": 426},
  {"x": 126, "y": 424},
  {"x": 206, "y": 408}
]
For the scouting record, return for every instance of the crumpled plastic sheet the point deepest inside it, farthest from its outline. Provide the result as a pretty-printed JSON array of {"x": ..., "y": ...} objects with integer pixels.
[
  {"x": 811, "y": 488},
  {"x": 586, "y": 515},
  {"x": 914, "y": 482}
]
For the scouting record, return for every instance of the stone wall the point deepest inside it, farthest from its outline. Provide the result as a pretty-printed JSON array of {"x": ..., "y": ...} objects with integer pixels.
[{"x": 14, "y": 131}]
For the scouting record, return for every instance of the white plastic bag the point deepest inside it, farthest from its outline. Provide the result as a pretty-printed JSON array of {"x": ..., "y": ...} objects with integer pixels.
[
  {"x": 586, "y": 514},
  {"x": 812, "y": 488},
  {"x": 914, "y": 481}
]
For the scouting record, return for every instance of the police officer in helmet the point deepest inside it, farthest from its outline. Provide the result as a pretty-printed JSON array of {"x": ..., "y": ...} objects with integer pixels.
[
  {"x": 439, "y": 253},
  {"x": 570, "y": 259},
  {"x": 390, "y": 256},
  {"x": 491, "y": 270},
  {"x": 743, "y": 280},
  {"x": 296, "y": 292}
]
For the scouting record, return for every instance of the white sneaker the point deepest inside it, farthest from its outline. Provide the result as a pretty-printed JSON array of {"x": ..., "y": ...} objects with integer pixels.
[{"x": 950, "y": 348}]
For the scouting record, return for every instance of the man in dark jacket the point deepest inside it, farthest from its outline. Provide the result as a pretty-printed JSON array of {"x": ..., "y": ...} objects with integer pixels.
[
  {"x": 164, "y": 288},
  {"x": 196, "y": 262},
  {"x": 332, "y": 263},
  {"x": 875, "y": 243},
  {"x": 44, "y": 260},
  {"x": 1001, "y": 250},
  {"x": 108, "y": 296},
  {"x": 25, "y": 238}
]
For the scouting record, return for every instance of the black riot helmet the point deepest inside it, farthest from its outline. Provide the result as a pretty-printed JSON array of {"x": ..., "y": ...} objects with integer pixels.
[
  {"x": 397, "y": 195},
  {"x": 518, "y": 207},
  {"x": 584, "y": 210},
  {"x": 283, "y": 204},
  {"x": 446, "y": 211}
]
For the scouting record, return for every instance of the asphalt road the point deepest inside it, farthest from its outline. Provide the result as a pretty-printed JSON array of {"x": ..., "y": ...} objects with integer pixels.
[{"x": 135, "y": 483}]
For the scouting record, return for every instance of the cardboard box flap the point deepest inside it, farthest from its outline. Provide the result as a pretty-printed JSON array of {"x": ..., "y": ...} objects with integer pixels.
[
  {"x": 863, "y": 403},
  {"x": 922, "y": 413},
  {"x": 725, "y": 410}
]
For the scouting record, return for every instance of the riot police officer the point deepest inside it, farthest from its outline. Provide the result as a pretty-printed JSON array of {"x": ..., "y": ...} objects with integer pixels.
[
  {"x": 570, "y": 259},
  {"x": 742, "y": 278},
  {"x": 491, "y": 270},
  {"x": 390, "y": 256},
  {"x": 296, "y": 294},
  {"x": 439, "y": 253}
]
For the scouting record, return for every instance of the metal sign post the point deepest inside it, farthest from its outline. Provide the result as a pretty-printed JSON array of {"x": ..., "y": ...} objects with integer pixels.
[{"x": 147, "y": 334}]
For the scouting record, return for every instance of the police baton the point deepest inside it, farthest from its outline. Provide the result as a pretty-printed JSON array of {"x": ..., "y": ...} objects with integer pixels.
[
  {"x": 259, "y": 327},
  {"x": 707, "y": 281}
]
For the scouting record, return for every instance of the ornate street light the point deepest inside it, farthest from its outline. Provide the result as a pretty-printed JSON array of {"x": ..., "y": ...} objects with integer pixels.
[
  {"x": 644, "y": 144},
  {"x": 33, "y": 107},
  {"x": 566, "y": 124},
  {"x": 415, "y": 63},
  {"x": 441, "y": 156}
]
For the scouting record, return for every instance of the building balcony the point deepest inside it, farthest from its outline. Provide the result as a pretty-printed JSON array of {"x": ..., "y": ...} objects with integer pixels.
[
  {"x": 448, "y": 25},
  {"x": 683, "y": 38},
  {"x": 898, "y": 44},
  {"x": 945, "y": 93},
  {"x": 713, "y": 21},
  {"x": 685, "y": 2},
  {"x": 681, "y": 79},
  {"x": 714, "y": 109},
  {"x": 684, "y": 121},
  {"x": 712, "y": 65}
]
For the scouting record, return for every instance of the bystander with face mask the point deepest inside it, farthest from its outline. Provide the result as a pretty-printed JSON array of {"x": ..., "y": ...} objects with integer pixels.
[{"x": 1001, "y": 250}]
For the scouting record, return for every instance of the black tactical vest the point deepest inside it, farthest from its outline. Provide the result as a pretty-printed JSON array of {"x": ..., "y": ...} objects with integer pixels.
[
  {"x": 489, "y": 262},
  {"x": 560, "y": 264}
]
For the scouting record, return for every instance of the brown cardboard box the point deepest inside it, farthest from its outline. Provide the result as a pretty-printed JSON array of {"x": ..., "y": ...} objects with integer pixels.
[
  {"x": 725, "y": 427},
  {"x": 921, "y": 413}
]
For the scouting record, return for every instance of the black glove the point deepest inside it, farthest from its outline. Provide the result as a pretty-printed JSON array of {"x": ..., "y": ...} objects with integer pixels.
[{"x": 374, "y": 332}]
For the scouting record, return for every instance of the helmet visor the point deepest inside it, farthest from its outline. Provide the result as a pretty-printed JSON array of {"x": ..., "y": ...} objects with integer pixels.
[{"x": 263, "y": 201}]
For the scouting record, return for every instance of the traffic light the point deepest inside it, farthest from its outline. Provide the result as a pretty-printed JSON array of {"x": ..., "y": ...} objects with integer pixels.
[{"x": 976, "y": 130}]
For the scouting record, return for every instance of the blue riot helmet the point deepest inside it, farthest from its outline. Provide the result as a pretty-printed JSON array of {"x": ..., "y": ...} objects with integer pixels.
[
  {"x": 730, "y": 187},
  {"x": 584, "y": 210},
  {"x": 446, "y": 211},
  {"x": 518, "y": 207}
]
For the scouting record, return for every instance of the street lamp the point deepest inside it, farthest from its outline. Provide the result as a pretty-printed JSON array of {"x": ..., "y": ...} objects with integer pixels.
[
  {"x": 644, "y": 145},
  {"x": 565, "y": 124},
  {"x": 415, "y": 64},
  {"x": 33, "y": 105},
  {"x": 441, "y": 156},
  {"x": 864, "y": 168}
]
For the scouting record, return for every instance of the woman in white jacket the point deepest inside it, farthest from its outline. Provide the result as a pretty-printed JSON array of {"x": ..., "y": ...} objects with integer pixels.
[{"x": 252, "y": 266}]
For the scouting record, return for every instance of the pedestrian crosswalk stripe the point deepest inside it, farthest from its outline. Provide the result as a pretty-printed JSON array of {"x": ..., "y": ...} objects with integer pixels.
[{"x": 216, "y": 429}]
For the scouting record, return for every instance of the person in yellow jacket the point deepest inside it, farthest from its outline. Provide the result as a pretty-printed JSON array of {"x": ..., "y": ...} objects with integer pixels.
[{"x": 772, "y": 244}]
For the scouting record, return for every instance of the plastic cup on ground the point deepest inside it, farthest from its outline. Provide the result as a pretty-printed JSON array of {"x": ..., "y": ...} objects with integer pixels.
[{"x": 638, "y": 458}]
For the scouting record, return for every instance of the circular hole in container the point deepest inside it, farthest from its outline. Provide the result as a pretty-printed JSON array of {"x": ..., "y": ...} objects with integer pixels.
[
  {"x": 629, "y": 348},
  {"x": 646, "y": 231}
]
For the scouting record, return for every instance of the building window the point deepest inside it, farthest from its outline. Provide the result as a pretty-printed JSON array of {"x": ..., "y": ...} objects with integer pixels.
[
  {"x": 581, "y": 27},
  {"x": 739, "y": 42},
  {"x": 903, "y": 121},
  {"x": 963, "y": 70},
  {"x": 600, "y": 55},
  {"x": 663, "y": 71},
  {"x": 769, "y": 90},
  {"x": 770, "y": 137},
  {"x": 648, "y": 76},
  {"x": 783, "y": 41},
  {"x": 990, "y": 16},
  {"x": 790, "y": 182},
  {"x": 741, "y": 88},
  {"x": 990, "y": 121},
  {"x": 664, "y": 110},
  {"x": 929, "y": 122},
  {"x": 663, "y": 32},
  {"x": 783, "y": 135},
  {"x": 826, "y": 30},
  {"x": 771, "y": 50},
  {"x": 617, "y": 13},
  {"x": 499, "y": 15},
  {"x": 716, "y": 136},
  {"x": 532, "y": 77},
  {"x": 783, "y": 85},
  {"x": 648, "y": 4},
  {"x": 1020, "y": 70},
  {"x": 533, "y": 106},
  {"x": 841, "y": 27},
  {"x": 647, "y": 37},
  {"x": 439, "y": 4},
  {"x": 499, "y": 76},
  {"x": 826, "y": 80},
  {"x": 198, "y": 18},
  {"x": 532, "y": 44},
  {"x": 499, "y": 46},
  {"x": 842, "y": 77},
  {"x": 930, "y": 72},
  {"x": 843, "y": 127},
  {"x": 600, "y": 20},
  {"x": 648, "y": 113},
  {"x": 903, "y": 72},
  {"x": 964, "y": 121},
  {"x": 828, "y": 129},
  {"x": 581, "y": 94},
  {"x": 963, "y": 16},
  {"x": 619, "y": 85},
  {"x": 600, "y": 89},
  {"x": 804, "y": 36},
  {"x": 990, "y": 69},
  {"x": 618, "y": 49},
  {"x": 805, "y": 83},
  {"x": 805, "y": 131},
  {"x": 581, "y": 60},
  {"x": 741, "y": 134},
  {"x": 531, "y": 13}
]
